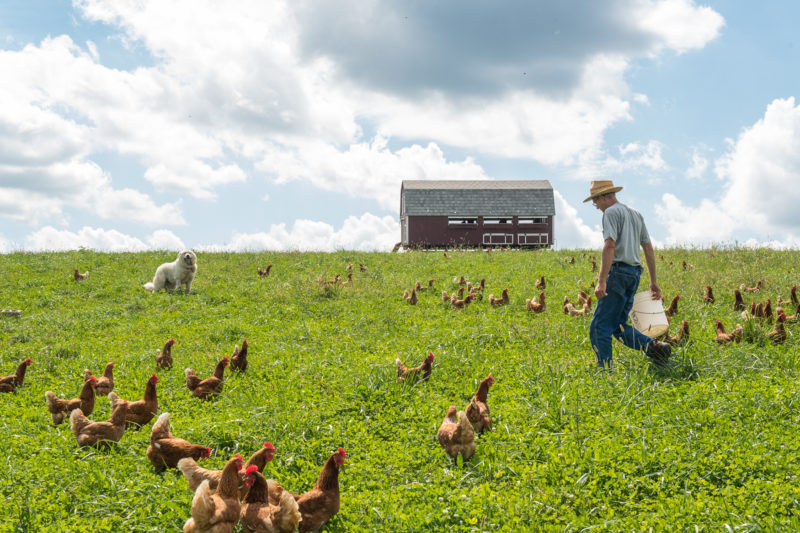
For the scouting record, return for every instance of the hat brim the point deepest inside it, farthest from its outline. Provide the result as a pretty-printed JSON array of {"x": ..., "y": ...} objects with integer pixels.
[{"x": 602, "y": 192}]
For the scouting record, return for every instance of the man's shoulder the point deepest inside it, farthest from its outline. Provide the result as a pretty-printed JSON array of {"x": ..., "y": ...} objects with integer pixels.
[{"x": 622, "y": 208}]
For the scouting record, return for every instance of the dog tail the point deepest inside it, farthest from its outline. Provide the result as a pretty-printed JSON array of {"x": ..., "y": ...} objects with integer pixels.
[{"x": 149, "y": 286}]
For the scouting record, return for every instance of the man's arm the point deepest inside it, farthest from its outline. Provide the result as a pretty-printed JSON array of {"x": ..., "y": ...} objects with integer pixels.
[
  {"x": 650, "y": 258},
  {"x": 606, "y": 259}
]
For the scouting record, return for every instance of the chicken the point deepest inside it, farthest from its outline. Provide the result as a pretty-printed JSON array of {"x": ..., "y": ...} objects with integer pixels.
[
  {"x": 164, "y": 357},
  {"x": 318, "y": 505},
  {"x": 726, "y": 338},
  {"x": 738, "y": 301},
  {"x": 259, "y": 516},
  {"x": 456, "y": 435},
  {"x": 105, "y": 383},
  {"x": 768, "y": 316},
  {"x": 594, "y": 265},
  {"x": 349, "y": 281},
  {"x": 165, "y": 450},
  {"x": 423, "y": 370},
  {"x": 419, "y": 287},
  {"x": 264, "y": 273},
  {"x": 757, "y": 310},
  {"x": 793, "y": 296},
  {"x": 477, "y": 410},
  {"x": 78, "y": 276},
  {"x": 687, "y": 266},
  {"x": 141, "y": 411},
  {"x": 480, "y": 286},
  {"x": 195, "y": 474},
  {"x": 758, "y": 286},
  {"x": 60, "y": 408},
  {"x": 673, "y": 306},
  {"x": 455, "y": 303},
  {"x": 460, "y": 281},
  {"x": 11, "y": 382},
  {"x": 536, "y": 306},
  {"x": 445, "y": 297},
  {"x": 540, "y": 283},
  {"x": 329, "y": 282},
  {"x": 239, "y": 357},
  {"x": 778, "y": 333},
  {"x": 793, "y": 318},
  {"x": 410, "y": 298},
  {"x": 709, "y": 295},
  {"x": 362, "y": 267},
  {"x": 349, "y": 267},
  {"x": 209, "y": 387},
  {"x": 582, "y": 299},
  {"x": 89, "y": 433},
  {"x": 680, "y": 338},
  {"x": 573, "y": 311},
  {"x": 217, "y": 512},
  {"x": 503, "y": 300}
]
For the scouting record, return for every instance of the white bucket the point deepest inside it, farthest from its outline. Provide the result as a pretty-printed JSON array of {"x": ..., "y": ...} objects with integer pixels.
[{"x": 648, "y": 316}]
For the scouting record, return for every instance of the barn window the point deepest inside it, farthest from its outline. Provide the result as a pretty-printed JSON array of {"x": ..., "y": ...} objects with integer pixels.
[
  {"x": 533, "y": 220},
  {"x": 496, "y": 220},
  {"x": 524, "y": 239},
  {"x": 462, "y": 222},
  {"x": 500, "y": 239}
]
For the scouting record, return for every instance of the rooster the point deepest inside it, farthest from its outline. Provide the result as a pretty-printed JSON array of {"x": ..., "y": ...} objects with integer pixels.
[
  {"x": 264, "y": 273},
  {"x": 318, "y": 505},
  {"x": 164, "y": 357},
  {"x": 239, "y": 357},
  {"x": 89, "y": 433},
  {"x": 78, "y": 276},
  {"x": 536, "y": 306},
  {"x": 105, "y": 383},
  {"x": 778, "y": 333},
  {"x": 11, "y": 382},
  {"x": 209, "y": 387},
  {"x": 540, "y": 283},
  {"x": 141, "y": 411},
  {"x": 503, "y": 300},
  {"x": 738, "y": 301},
  {"x": 709, "y": 296},
  {"x": 680, "y": 338},
  {"x": 757, "y": 288},
  {"x": 477, "y": 410},
  {"x": 422, "y": 371},
  {"x": 726, "y": 338},
  {"x": 455, "y": 303},
  {"x": 456, "y": 435},
  {"x": 410, "y": 298},
  {"x": 258, "y": 515},
  {"x": 195, "y": 474},
  {"x": 217, "y": 512},
  {"x": 673, "y": 306},
  {"x": 60, "y": 408},
  {"x": 165, "y": 450}
]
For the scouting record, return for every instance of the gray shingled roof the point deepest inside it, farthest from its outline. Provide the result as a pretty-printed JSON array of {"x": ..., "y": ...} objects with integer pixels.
[{"x": 477, "y": 198}]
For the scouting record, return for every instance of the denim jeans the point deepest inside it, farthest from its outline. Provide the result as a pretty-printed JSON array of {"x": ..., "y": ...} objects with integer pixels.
[{"x": 611, "y": 314}]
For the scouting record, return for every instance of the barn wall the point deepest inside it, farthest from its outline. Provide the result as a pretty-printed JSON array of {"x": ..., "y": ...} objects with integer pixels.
[{"x": 434, "y": 231}]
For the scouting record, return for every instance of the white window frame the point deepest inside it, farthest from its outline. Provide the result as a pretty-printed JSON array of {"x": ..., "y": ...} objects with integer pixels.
[
  {"x": 462, "y": 222},
  {"x": 493, "y": 239},
  {"x": 532, "y": 220},
  {"x": 526, "y": 239},
  {"x": 497, "y": 221}
]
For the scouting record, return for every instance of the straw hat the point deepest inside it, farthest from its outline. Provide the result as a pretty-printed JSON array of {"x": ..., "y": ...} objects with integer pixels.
[{"x": 601, "y": 187}]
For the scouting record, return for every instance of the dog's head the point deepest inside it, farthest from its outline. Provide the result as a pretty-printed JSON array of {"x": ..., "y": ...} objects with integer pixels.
[{"x": 187, "y": 257}]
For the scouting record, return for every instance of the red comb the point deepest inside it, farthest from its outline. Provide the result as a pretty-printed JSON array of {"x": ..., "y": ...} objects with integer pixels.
[
  {"x": 268, "y": 445},
  {"x": 250, "y": 470},
  {"x": 225, "y": 358},
  {"x": 342, "y": 452},
  {"x": 28, "y": 361},
  {"x": 238, "y": 457}
]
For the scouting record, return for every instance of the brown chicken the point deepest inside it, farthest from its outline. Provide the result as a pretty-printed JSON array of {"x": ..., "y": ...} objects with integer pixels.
[
  {"x": 419, "y": 287},
  {"x": 709, "y": 295},
  {"x": 329, "y": 282},
  {"x": 318, "y": 505},
  {"x": 11, "y": 382},
  {"x": 778, "y": 333},
  {"x": 738, "y": 301},
  {"x": 195, "y": 474},
  {"x": 477, "y": 410},
  {"x": 445, "y": 297},
  {"x": 207, "y": 388},
  {"x": 680, "y": 338},
  {"x": 673, "y": 306},
  {"x": 793, "y": 296},
  {"x": 793, "y": 318},
  {"x": 217, "y": 512},
  {"x": 60, "y": 408},
  {"x": 362, "y": 267},
  {"x": 264, "y": 273},
  {"x": 456, "y": 435},
  {"x": 594, "y": 265},
  {"x": 503, "y": 300},
  {"x": 461, "y": 304},
  {"x": 410, "y": 298},
  {"x": 141, "y": 411},
  {"x": 89, "y": 433},
  {"x": 165, "y": 450},
  {"x": 768, "y": 316},
  {"x": 726, "y": 338},
  {"x": 239, "y": 357},
  {"x": 536, "y": 306},
  {"x": 460, "y": 281},
  {"x": 349, "y": 281},
  {"x": 422, "y": 371},
  {"x": 105, "y": 383},
  {"x": 584, "y": 310},
  {"x": 164, "y": 357},
  {"x": 540, "y": 283},
  {"x": 260, "y": 516},
  {"x": 757, "y": 288},
  {"x": 481, "y": 286},
  {"x": 349, "y": 267},
  {"x": 78, "y": 276},
  {"x": 582, "y": 299},
  {"x": 687, "y": 266}
]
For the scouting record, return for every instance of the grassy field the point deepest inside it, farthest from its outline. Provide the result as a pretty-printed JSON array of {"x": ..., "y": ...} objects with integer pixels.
[{"x": 708, "y": 444}]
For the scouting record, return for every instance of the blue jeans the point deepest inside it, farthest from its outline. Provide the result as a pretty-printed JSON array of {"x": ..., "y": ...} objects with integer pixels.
[{"x": 611, "y": 314}]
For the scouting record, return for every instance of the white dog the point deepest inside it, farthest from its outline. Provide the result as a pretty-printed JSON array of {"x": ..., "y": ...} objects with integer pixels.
[{"x": 171, "y": 276}]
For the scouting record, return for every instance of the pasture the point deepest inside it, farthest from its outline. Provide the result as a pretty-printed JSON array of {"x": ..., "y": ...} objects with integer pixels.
[{"x": 706, "y": 444}]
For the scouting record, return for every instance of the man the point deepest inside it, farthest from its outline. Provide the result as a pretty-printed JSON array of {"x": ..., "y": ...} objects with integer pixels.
[{"x": 624, "y": 232}]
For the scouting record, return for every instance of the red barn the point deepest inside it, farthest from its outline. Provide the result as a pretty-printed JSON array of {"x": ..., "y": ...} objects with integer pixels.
[{"x": 516, "y": 213}]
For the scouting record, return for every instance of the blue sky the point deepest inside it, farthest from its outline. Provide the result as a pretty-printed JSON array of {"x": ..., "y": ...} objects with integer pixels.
[{"x": 134, "y": 125}]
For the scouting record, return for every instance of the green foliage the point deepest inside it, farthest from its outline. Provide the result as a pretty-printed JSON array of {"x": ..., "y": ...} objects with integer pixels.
[{"x": 706, "y": 444}]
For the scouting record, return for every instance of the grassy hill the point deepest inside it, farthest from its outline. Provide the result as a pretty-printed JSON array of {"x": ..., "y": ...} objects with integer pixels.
[{"x": 708, "y": 442}]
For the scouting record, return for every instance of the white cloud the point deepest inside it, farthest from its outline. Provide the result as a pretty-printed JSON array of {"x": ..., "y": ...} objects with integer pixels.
[
  {"x": 165, "y": 240},
  {"x": 680, "y": 24},
  {"x": 51, "y": 239},
  {"x": 569, "y": 230},
  {"x": 699, "y": 166}
]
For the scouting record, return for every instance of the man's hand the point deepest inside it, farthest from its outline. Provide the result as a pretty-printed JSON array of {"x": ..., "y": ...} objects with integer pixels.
[
  {"x": 655, "y": 291},
  {"x": 600, "y": 289}
]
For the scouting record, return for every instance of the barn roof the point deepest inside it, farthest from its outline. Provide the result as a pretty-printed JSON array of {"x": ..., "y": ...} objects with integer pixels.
[{"x": 477, "y": 198}]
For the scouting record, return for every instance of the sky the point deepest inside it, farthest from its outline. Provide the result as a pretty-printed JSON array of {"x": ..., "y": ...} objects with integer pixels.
[{"x": 269, "y": 125}]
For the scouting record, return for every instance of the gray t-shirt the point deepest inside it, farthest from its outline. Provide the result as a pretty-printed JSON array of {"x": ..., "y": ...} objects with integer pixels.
[{"x": 625, "y": 226}]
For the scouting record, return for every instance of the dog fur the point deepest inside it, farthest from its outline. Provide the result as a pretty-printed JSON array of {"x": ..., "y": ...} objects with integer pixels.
[{"x": 170, "y": 276}]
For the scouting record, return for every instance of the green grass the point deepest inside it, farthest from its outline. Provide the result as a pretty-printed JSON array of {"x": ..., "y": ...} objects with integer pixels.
[{"x": 706, "y": 444}]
